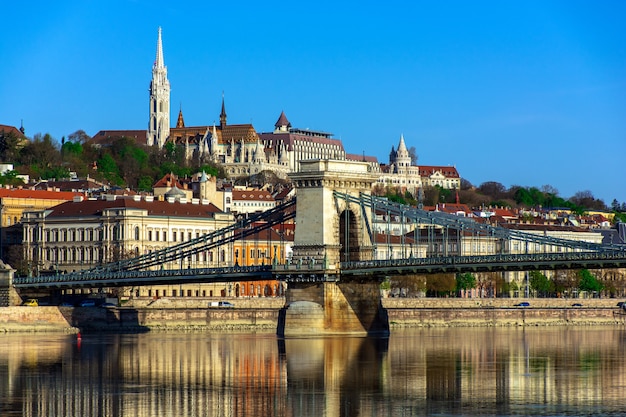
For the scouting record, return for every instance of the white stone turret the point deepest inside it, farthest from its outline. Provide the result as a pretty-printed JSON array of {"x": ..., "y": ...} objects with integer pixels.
[
  {"x": 403, "y": 158},
  {"x": 159, "y": 123}
]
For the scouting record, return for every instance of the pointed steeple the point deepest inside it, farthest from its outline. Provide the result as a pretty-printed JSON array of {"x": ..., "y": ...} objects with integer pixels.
[
  {"x": 282, "y": 124},
  {"x": 392, "y": 155},
  {"x": 180, "y": 122},
  {"x": 158, "y": 61},
  {"x": 401, "y": 145},
  {"x": 223, "y": 114},
  {"x": 159, "y": 121},
  {"x": 403, "y": 158}
]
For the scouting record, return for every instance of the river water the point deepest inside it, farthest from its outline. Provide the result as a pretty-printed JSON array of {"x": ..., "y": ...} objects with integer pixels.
[{"x": 447, "y": 372}]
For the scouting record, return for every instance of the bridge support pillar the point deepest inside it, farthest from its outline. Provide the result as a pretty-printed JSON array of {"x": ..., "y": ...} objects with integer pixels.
[
  {"x": 8, "y": 295},
  {"x": 333, "y": 308}
]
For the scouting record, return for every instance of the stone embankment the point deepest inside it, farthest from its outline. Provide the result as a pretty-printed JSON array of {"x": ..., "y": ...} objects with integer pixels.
[
  {"x": 454, "y": 312},
  {"x": 261, "y": 314}
]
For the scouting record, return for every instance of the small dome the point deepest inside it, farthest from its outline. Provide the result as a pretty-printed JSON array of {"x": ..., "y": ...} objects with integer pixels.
[{"x": 175, "y": 192}]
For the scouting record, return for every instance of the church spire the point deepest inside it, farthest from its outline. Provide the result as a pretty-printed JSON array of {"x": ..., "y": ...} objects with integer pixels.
[
  {"x": 223, "y": 114},
  {"x": 159, "y": 121},
  {"x": 158, "y": 61},
  {"x": 181, "y": 121}
]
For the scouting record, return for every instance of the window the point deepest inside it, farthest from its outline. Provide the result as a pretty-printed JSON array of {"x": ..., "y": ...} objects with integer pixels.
[{"x": 136, "y": 232}]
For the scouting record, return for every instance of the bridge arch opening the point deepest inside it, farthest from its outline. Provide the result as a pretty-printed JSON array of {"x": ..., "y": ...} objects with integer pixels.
[{"x": 349, "y": 236}]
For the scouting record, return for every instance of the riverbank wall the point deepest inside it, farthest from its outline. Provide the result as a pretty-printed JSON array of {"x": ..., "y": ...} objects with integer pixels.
[{"x": 261, "y": 315}]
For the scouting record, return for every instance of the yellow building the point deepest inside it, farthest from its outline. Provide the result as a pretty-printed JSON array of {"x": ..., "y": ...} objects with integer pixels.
[
  {"x": 14, "y": 201},
  {"x": 263, "y": 248}
]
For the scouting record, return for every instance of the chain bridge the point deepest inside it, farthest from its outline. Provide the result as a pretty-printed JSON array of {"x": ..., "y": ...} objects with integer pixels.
[{"x": 346, "y": 242}]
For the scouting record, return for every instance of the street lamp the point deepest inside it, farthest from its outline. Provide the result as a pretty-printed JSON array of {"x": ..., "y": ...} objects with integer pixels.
[{"x": 236, "y": 257}]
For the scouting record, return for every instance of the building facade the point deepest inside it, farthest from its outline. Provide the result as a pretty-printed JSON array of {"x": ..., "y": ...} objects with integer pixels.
[{"x": 82, "y": 234}]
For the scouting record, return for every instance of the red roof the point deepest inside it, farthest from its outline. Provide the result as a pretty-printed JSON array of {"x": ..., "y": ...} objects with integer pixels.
[
  {"x": 282, "y": 120},
  {"x": 12, "y": 129},
  {"x": 261, "y": 195},
  {"x": 169, "y": 180},
  {"x": 154, "y": 208},
  {"x": 105, "y": 137},
  {"x": 38, "y": 194},
  {"x": 447, "y": 171}
]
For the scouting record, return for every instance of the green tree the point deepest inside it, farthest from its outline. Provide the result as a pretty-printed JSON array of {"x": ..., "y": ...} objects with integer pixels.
[
  {"x": 465, "y": 281},
  {"x": 72, "y": 148},
  {"x": 539, "y": 283},
  {"x": 10, "y": 178},
  {"x": 108, "y": 169},
  {"x": 588, "y": 282},
  {"x": 145, "y": 183}
]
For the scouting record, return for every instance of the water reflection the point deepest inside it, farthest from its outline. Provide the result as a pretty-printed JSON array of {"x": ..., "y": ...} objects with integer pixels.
[{"x": 540, "y": 371}]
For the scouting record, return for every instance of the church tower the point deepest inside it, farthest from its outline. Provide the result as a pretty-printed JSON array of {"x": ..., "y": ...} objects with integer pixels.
[{"x": 159, "y": 124}]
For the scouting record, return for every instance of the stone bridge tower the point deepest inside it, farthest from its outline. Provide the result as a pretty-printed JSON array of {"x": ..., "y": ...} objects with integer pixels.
[{"x": 331, "y": 230}]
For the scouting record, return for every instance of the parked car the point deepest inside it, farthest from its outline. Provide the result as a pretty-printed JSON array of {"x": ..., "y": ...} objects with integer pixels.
[
  {"x": 66, "y": 304},
  {"x": 221, "y": 304},
  {"x": 88, "y": 303},
  {"x": 31, "y": 302},
  {"x": 577, "y": 305},
  {"x": 523, "y": 304}
]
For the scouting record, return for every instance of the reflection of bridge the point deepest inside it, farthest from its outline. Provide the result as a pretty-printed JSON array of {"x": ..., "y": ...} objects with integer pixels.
[{"x": 336, "y": 261}]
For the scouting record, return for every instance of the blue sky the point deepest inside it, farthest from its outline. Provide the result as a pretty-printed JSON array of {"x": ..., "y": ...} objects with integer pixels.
[{"x": 520, "y": 92}]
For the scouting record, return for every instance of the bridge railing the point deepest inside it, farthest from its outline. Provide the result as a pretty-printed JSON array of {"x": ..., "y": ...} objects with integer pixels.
[
  {"x": 480, "y": 259},
  {"x": 120, "y": 276},
  {"x": 468, "y": 225}
]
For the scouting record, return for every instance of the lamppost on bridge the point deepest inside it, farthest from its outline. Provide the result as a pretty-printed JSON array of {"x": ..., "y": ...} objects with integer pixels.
[{"x": 236, "y": 257}]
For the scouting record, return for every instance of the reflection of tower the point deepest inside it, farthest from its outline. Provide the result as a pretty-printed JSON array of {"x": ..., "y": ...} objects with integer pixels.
[{"x": 159, "y": 124}]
